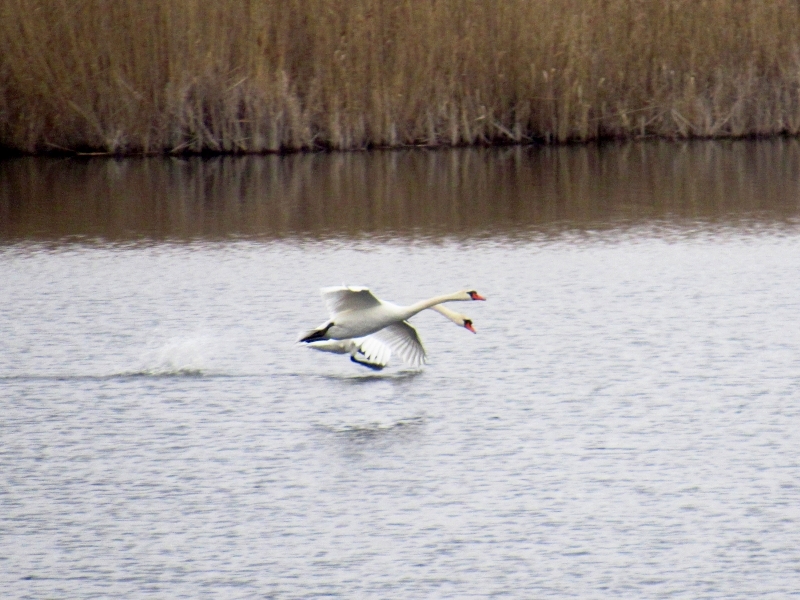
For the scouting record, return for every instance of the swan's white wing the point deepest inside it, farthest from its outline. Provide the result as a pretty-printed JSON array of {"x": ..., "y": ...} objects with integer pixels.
[
  {"x": 339, "y": 299},
  {"x": 404, "y": 341},
  {"x": 374, "y": 351},
  {"x": 367, "y": 351}
]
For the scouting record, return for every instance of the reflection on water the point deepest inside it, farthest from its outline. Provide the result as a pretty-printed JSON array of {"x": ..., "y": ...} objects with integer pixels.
[
  {"x": 377, "y": 430},
  {"x": 405, "y": 193}
]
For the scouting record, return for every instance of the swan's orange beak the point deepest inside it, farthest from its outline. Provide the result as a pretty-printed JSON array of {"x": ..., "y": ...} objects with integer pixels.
[
  {"x": 468, "y": 325},
  {"x": 476, "y": 296}
]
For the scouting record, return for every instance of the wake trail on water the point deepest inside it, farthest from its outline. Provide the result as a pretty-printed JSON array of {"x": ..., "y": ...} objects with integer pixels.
[
  {"x": 175, "y": 358},
  {"x": 205, "y": 373},
  {"x": 197, "y": 357},
  {"x": 185, "y": 374}
]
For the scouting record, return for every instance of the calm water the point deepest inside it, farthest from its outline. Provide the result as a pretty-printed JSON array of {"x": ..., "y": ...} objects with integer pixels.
[{"x": 625, "y": 424}]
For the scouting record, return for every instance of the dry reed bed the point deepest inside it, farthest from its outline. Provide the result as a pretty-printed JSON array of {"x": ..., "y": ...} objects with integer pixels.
[{"x": 252, "y": 76}]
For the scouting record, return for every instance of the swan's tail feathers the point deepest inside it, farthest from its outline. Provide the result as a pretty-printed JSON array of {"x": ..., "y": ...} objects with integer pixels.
[
  {"x": 316, "y": 335},
  {"x": 404, "y": 341}
]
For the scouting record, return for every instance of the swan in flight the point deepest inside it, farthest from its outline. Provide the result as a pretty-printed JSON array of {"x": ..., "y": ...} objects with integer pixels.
[
  {"x": 356, "y": 313},
  {"x": 371, "y": 352}
]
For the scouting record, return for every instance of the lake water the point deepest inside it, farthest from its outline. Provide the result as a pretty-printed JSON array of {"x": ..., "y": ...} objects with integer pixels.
[{"x": 625, "y": 423}]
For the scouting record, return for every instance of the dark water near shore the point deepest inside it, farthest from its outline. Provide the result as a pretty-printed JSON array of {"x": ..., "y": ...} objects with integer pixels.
[
  {"x": 417, "y": 194},
  {"x": 624, "y": 424}
]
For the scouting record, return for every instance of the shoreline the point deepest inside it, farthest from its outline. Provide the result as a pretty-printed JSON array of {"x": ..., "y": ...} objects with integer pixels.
[{"x": 10, "y": 153}]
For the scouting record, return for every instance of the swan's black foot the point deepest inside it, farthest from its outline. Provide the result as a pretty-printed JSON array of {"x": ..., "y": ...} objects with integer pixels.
[{"x": 369, "y": 365}]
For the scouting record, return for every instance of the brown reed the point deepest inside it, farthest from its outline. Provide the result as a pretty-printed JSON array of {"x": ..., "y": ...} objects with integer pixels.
[{"x": 266, "y": 75}]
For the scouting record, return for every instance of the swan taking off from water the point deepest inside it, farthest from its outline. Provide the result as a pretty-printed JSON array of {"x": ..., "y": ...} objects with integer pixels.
[
  {"x": 356, "y": 312},
  {"x": 371, "y": 352}
]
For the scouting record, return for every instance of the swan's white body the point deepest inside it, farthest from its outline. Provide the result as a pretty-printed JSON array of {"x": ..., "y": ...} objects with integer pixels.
[
  {"x": 371, "y": 352},
  {"x": 356, "y": 313}
]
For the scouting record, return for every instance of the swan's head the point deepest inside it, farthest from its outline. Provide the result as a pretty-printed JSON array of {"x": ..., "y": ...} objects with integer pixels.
[
  {"x": 315, "y": 335},
  {"x": 473, "y": 295},
  {"x": 468, "y": 325}
]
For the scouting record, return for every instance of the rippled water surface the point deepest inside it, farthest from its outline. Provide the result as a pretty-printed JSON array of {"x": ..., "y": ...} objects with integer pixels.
[{"x": 625, "y": 423}]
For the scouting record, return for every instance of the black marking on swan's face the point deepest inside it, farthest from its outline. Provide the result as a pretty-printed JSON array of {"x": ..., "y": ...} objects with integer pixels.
[{"x": 475, "y": 295}]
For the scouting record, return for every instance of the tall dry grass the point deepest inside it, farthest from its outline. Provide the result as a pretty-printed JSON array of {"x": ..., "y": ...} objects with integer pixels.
[{"x": 267, "y": 75}]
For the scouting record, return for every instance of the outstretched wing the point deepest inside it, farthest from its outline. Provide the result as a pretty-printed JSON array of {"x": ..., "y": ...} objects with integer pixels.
[
  {"x": 339, "y": 299},
  {"x": 404, "y": 341},
  {"x": 374, "y": 351},
  {"x": 371, "y": 352}
]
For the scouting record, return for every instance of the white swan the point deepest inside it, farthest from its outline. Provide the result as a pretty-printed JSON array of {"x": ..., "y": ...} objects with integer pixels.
[
  {"x": 356, "y": 312},
  {"x": 371, "y": 352}
]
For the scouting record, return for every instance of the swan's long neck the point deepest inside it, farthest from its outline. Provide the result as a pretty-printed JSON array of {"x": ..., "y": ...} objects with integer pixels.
[
  {"x": 455, "y": 317},
  {"x": 410, "y": 311}
]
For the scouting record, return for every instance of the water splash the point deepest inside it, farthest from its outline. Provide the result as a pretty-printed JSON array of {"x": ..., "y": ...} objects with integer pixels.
[{"x": 176, "y": 357}]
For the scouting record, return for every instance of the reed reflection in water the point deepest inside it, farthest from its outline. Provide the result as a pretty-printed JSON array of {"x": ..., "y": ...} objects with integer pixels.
[{"x": 461, "y": 193}]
